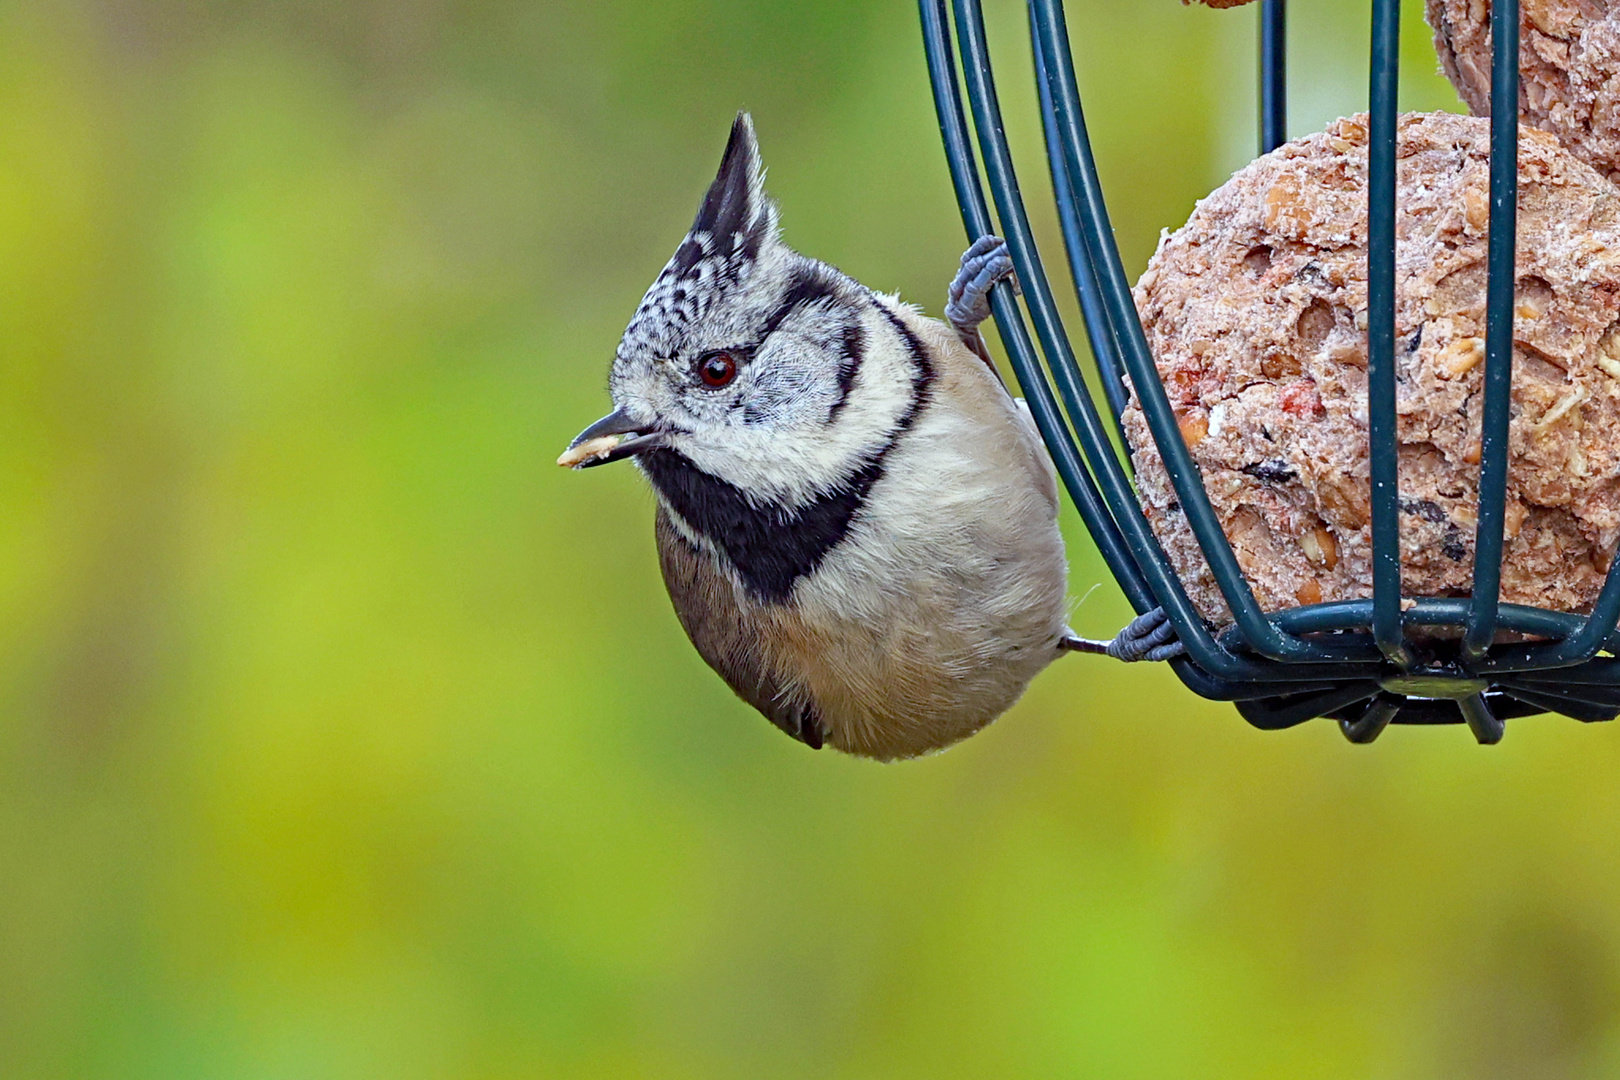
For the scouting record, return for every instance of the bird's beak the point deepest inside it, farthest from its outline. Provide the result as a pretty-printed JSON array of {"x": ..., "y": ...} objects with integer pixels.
[{"x": 606, "y": 440}]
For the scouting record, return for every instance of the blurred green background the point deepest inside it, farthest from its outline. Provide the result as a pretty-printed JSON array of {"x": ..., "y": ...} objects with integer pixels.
[{"x": 343, "y": 735}]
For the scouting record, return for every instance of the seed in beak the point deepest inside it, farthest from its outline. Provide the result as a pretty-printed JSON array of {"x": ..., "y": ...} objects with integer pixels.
[{"x": 587, "y": 452}]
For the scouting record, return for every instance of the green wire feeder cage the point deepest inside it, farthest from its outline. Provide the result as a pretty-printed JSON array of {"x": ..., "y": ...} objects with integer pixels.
[{"x": 1350, "y": 660}]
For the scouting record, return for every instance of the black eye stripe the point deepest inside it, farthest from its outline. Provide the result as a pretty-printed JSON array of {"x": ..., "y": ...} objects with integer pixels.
[
  {"x": 808, "y": 286},
  {"x": 852, "y": 353}
]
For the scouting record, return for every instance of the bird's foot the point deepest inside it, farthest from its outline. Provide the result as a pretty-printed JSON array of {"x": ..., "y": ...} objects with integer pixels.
[
  {"x": 1148, "y": 637},
  {"x": 967, "y": 301}
]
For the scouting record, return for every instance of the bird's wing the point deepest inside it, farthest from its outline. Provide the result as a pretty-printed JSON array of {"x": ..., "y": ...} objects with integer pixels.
[{"x": 707, "y": 607}]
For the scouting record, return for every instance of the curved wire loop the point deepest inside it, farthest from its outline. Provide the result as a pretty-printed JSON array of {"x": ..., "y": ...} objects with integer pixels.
[{"x": 1353, "y": 661}]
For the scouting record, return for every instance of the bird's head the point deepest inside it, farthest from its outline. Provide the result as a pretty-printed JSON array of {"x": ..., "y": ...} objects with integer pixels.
[{"x": 754, "y": 365}]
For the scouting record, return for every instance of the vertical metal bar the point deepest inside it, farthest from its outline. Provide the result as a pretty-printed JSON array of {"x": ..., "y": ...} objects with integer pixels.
[
  {"x": 1261, "y": 634},
  {"x": 1493, "y": 458},
  {"x": 1149, "y": 559},
  {"x": 1273, "y": 75},
  {"x": 1386, "y": 525},
  {"x": 1100, "y": 332},
  {"x": 1043, "y": 406},
  {"x": 953, "y": 129}
]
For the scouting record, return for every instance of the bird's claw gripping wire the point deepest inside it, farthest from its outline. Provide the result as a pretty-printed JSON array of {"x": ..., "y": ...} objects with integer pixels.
[
  {"x": 1148, "y": 637},
  {"x": 967, "y": 302}
]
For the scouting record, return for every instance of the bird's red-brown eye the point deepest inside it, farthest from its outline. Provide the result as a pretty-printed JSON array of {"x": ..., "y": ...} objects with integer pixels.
[{"x": 717, "y": 369}]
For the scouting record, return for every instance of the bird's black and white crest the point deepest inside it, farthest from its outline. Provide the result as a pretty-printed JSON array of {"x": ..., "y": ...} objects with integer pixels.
[{"x": 735, "y": 223}]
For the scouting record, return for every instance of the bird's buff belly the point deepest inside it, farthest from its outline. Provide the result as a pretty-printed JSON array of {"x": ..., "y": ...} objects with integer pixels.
[{"x": 887, "y": 686}]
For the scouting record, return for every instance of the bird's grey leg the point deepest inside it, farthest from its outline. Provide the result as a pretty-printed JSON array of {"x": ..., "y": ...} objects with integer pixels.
[
  {"x": 967, "y": 301},
  {"x": 1148, "y": 637}
]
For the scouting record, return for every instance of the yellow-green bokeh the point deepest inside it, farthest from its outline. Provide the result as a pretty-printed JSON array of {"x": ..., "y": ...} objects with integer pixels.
[{"x": 342, "y": 735}]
